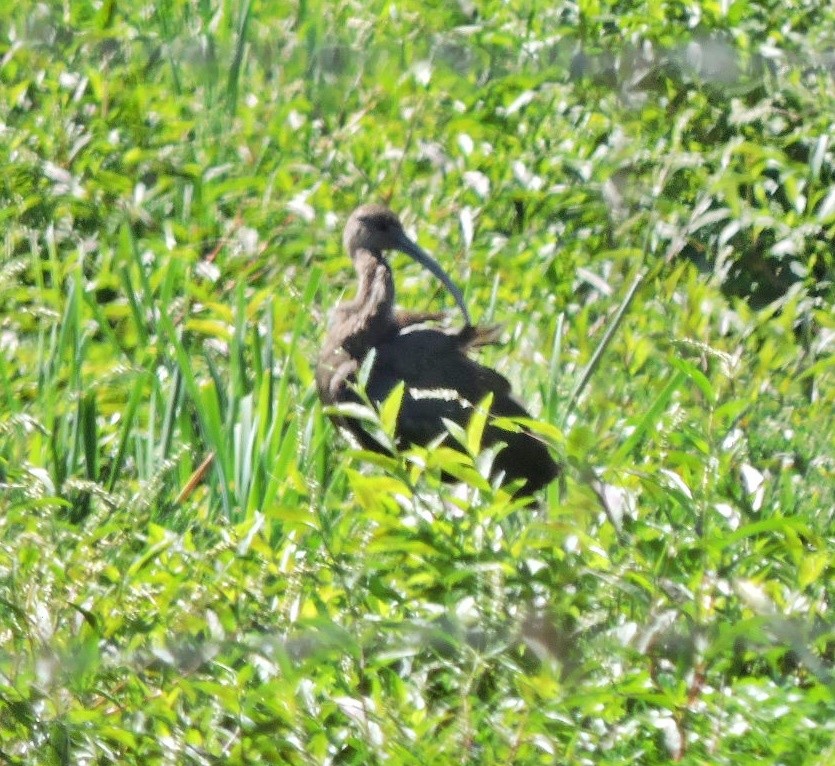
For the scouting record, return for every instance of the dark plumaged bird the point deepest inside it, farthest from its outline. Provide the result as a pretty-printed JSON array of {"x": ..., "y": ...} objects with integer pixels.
[{"x": 441, "y": 381}]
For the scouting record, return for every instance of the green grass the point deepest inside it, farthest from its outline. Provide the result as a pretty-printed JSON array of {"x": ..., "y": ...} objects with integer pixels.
[{"x": 195, "y": 567}]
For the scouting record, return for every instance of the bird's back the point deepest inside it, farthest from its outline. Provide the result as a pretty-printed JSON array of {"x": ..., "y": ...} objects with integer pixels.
[{"x": 443, "y": 383}]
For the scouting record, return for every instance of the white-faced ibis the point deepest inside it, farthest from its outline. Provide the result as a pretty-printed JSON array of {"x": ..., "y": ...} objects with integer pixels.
[{"x": 441, "y": 381}]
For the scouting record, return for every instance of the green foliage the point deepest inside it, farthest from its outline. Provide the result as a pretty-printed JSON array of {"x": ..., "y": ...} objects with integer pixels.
[{"x": 195, "y": 569}]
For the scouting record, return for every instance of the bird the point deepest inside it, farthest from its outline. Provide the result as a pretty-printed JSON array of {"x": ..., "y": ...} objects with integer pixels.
[{"x": 441, "y": 382}]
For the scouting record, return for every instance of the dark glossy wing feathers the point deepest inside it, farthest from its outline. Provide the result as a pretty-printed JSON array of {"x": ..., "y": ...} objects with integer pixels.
[{"x": 442, "y": 383}]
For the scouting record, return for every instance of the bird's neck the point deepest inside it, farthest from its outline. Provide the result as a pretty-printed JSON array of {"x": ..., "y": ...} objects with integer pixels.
[{"x": 371, "y": 311}]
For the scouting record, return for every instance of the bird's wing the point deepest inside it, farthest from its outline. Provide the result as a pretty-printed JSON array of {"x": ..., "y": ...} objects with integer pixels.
[
  {"x": 428, "y": 360},
  {"x": 441, "y": 383}
]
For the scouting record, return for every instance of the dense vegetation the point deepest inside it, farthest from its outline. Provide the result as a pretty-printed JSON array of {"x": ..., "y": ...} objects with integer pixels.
[{"x": 195, "y": 567}]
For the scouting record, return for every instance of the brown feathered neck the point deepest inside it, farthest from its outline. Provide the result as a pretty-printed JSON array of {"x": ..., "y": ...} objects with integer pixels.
[{"x": 368, "y": 318}]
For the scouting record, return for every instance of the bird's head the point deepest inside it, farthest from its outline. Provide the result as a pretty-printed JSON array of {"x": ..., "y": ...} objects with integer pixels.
[{"x": 374, "y": 228}]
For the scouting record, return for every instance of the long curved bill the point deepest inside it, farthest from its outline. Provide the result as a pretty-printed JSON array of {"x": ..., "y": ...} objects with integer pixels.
[{"x": 405, "y": 245}]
